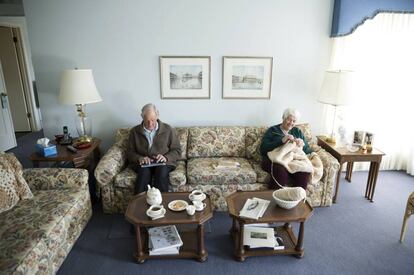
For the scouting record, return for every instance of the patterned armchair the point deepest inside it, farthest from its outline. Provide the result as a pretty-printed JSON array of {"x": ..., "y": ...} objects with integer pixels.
[
  {"x": 202, "y": 148},
  {"x": 38, "y": 231}
]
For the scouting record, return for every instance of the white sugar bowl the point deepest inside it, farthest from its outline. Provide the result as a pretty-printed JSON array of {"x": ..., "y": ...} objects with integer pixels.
[{"x": 153, "y": 196}]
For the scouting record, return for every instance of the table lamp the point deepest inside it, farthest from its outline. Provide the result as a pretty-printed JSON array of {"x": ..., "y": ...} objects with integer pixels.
[
  {"x": 336, "y": 90},
  {"x": 77, "y": 87}
]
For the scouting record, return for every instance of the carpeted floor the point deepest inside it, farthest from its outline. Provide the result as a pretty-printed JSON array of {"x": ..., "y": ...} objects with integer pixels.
[{"x": 353, "y": 236}]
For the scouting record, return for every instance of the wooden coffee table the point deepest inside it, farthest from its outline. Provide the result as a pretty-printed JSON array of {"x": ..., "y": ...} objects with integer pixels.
[
  {"x": 193, "y": 240},
  {"x": 273, "y": 214}
]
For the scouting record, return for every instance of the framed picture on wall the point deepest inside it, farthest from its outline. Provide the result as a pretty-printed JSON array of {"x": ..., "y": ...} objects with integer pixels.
[
  {"x": 185, "y": 77},
  {"x": 247, "y": 77}
]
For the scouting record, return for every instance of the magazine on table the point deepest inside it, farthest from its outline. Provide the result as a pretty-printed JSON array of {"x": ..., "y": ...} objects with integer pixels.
[
  {"x": 164, "y": 237},
  {"x": 166, "y": 251},
  {"x": 262, "y": 237},
  {"x": 254, "y": 208}
]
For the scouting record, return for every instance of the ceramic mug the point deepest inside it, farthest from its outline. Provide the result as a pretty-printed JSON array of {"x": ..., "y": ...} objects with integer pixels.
[
  {"x": 190, "y": 210},
  {"x": 155, "y": 210},
  {"x": 196, "y": 195},
  {"x": 199, "y": 205}
]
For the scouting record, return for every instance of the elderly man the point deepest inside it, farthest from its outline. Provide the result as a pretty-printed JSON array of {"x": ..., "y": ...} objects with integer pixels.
[{"x": 152, "y": 142}]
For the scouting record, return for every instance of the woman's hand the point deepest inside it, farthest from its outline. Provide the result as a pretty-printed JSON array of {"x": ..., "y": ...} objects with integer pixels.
[
  {"x": 299, "y": 142},
  {"x": 288, "y": 138}
]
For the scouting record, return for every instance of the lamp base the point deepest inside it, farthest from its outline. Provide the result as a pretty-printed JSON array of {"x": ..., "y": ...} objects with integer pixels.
[
  {"x": 330, "y": 140},
  {"x": 84, "y": 139}
]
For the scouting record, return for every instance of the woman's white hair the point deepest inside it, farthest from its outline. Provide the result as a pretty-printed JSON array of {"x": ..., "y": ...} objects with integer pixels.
[
  {"x": 291, "y": 112},
  {"x": 147, "y": 108}
]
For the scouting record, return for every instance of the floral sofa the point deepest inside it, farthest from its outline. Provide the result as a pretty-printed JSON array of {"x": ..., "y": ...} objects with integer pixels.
[
  {"x": 202, "y": 148},
  {"x": 38, "y": 232}
]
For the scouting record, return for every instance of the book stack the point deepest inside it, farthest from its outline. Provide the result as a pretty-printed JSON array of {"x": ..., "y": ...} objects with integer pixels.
[
  {"x": 254, "y": 208},
  {"x": 258, "y": 236},
  {"x": 164, "y": 240}
]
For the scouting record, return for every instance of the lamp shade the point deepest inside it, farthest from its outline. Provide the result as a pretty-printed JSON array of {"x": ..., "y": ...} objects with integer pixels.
[
  {"x": 78, "y": 87},
  {"x": 337, "y": 88}
]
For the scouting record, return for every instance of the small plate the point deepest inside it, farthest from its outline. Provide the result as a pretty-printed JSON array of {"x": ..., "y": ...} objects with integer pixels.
[
  {"x": 163, "y": 211},
  {"x": 352, "y": 149},
  {"x": 202, "y": 198},
  {"x": 178, "y": 205}
]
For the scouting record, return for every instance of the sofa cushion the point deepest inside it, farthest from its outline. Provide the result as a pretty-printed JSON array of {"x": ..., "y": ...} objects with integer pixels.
[
  {"x": 305, "y": 128},
  {"x": 8, "y": 195},
  {"x": 262, "y": 176},
  {"x": 121, "y": 137},
  {"x": 127, "y": 177},
  {"x": 216, "y": 142},
  {"x": 254, "y": 137},
  {"x": 20, "y": 185},
  {"x": 34, "y": 228},
  {"x": 201, "y": 171},
  {"x": 182, "y": 134}
]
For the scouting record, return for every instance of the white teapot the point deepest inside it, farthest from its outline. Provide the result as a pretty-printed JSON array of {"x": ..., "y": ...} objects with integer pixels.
[{"x": 153, "y": 196}]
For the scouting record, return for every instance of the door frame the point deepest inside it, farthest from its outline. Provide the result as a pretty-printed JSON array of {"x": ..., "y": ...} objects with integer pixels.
[{"x": 26, "y": 68}]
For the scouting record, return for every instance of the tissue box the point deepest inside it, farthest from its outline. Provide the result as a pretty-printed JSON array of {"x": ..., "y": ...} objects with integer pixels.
[{"x": 47, "y": 151}]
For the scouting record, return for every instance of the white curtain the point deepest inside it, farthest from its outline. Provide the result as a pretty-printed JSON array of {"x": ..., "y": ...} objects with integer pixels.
[{"x": 381, "y": 53}]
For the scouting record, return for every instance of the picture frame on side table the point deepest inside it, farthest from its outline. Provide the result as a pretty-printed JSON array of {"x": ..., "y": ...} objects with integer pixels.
[
  {"x": 185, "y": 77},
  {"x": 246, "y": 77},
  {"x": 359, "y": 137}
]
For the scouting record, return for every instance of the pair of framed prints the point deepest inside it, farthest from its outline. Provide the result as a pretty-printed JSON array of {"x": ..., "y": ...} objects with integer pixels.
[{"x": 189, "y": 77}]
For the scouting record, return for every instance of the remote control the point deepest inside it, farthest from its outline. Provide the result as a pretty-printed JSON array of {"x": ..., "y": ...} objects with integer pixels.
[{"x": 71, "y": 148}]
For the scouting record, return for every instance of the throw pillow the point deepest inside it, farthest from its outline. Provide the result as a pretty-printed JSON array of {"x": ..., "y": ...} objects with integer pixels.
[
  {"x": 8, "y": 195},
  {"x": 10, "y": 162}
]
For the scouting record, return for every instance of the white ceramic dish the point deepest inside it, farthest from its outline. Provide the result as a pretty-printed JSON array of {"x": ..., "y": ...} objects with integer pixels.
[
  {"x": 178, "y": 205},
  {"x": 203, "y": 197},
  {"x": 201, "y": 209},
  {"x": 352, "y": 149},
  {"x": 154, "y": 217}
]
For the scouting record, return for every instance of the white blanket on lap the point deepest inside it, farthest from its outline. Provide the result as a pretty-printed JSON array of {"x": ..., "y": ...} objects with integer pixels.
[{"x": 295, "y": 160}]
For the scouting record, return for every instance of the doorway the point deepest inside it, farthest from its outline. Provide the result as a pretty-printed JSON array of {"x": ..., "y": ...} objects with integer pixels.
[{"x": 16, "y": 79}]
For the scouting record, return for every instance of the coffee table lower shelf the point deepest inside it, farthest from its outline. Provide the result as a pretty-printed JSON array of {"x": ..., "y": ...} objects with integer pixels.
[
  {"x": 285, "y": 232},
  {"x": 189, "y": 249}
]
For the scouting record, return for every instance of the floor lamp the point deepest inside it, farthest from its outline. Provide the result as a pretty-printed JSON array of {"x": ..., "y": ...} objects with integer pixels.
[
  {"x": 336, "y": 90},
  {"x": 77, "y": 87}
]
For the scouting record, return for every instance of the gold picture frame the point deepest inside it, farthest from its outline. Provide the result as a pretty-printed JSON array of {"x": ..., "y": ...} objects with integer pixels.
[{"x": 185, "y": 77}]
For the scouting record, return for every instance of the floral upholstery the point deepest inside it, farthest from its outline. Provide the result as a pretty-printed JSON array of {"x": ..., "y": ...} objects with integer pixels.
[
  {"x": 216, "y": 142},
  {"x": 201, "y": 171},
  {"x": 13, "y": 186},
  {"x": 37, "y": 234},
  {"x": 202, "y": 147}
]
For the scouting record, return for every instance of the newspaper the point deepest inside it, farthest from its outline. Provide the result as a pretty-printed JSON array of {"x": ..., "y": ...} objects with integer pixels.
[
  {"x": 163, "y": 238},
  {"x": 254, "y": 208},
  {"x": 256, "y": 237}
]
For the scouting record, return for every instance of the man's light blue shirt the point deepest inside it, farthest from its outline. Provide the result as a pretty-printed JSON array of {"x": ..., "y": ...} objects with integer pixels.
[{"x": 150, "y": 135}]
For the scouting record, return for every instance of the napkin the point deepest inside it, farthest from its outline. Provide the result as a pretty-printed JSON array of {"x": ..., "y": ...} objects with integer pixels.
[{"x": 43, "y": 142}]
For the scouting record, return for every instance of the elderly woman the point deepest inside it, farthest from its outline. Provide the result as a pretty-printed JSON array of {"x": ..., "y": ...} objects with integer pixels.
[
  {"x": 154, "y": 142},
  {"x": 276, "y": 136}
]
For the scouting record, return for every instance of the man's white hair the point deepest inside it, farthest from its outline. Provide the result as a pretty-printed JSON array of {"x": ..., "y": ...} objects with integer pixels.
[
  {"x": 291, "y": 112},
  {"x": 148, "y": 108}
]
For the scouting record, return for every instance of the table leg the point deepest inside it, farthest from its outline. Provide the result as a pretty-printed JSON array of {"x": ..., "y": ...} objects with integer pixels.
[
  {"x": 349, "y": 168},
  {"x": 374, "y": 181},
  {"x": 140, "y": 250},
  {"x": 369, "y": 180},
  {"x": 202, "y": 253},
  {"x": 299, "y": 245},
  {"x": 338, "y": 176},
  {"x": 240, "y": 248}
]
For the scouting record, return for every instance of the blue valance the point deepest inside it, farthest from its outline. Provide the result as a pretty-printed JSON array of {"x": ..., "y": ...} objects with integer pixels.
[{"x": 349, "y": 14}]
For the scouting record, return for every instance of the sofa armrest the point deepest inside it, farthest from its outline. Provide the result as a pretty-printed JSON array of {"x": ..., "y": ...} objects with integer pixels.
[
  {"x": 328, "y": 161},
  {"x": 56, "y": 178},
  {"x": 110, "y": 165}
]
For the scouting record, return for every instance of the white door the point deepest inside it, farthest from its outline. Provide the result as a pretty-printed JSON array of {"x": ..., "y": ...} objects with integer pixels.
[{"x": 7, "y": 137}]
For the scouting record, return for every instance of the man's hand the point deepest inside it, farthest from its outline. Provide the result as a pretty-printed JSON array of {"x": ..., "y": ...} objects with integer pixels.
[
  {"x": 159, "y": 158},
  {"x": 144, "y": 160}
]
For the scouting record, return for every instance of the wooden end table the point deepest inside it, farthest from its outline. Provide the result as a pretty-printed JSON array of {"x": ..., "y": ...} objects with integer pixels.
[
  {"x": 273, "y": 214},
  {"x": 343, "y": 155},
  {"x": 87, "y": 158},
  {"x": 193, "y": 240}
]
